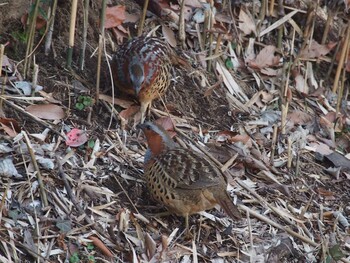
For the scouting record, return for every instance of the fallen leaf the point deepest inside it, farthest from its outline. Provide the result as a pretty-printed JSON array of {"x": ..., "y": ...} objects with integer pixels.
[
  {"x": 315, "y": 50},
  {"x": 150, "y": 246},
  {"x": 10, "y": 126},
  {"x": 76, "y": 137},
  {"x": 40, "y": 21},
  {"x": 99, "y": 244},
  {"x": 115, "y": 16},
  {"x": 301, "y": 84},
  {"x": 120, "y": 102},
  {"x": 169, "y": 35},
  {"x": 299, "y": 117},
  {"x": 131, "y": 18},
  {"x": 156, "y": 6},
  {"x": 246, "y": 23},
  {"x": 265, "y": 58},
  {"x": 167, "y": 124},
  {"x": 129, "y": 112},
  {"x": 46, "y": 111},
  {"x": 230, "y": 82}
]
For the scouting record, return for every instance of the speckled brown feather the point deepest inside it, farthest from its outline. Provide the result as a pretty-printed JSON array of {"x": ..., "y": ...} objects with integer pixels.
[
  {"x": 148, "y": 60},
  {"x": 185, "y": 181}
]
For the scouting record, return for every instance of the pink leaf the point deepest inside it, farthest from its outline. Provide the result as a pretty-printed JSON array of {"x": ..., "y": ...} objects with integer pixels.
[
  {"x": 76, "y": 138},
  {"x": 115, "y": 16}
]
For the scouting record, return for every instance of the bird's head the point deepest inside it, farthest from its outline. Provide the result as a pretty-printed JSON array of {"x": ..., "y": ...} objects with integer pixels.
[
  {"x": 158, "y": 139},
  {"x": 136, "y": 72}
]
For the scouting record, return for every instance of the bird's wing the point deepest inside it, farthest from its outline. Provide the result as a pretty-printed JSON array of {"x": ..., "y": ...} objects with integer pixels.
[{"x": 188, "y": 170}]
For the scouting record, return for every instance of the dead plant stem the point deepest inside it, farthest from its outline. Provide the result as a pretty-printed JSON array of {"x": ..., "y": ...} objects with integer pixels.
[
  {"x": 37, "y": 169},
  {"x": 342, "y": 59},
  {"x": 143, "y": 17}
]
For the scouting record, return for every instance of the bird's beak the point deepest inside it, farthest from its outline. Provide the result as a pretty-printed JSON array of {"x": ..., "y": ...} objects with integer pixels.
[{"x": 137, "y": 90}]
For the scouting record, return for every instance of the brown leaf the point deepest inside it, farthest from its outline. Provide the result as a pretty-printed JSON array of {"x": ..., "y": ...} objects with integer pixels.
[
  {"x": 265, "y": 58},
  {"x": 115, "y": 16},
  {"x": 167, "y": 124},
  {"x": 40, "y": 21},
  {"x": 315, "y": 50},
  {"x": 120, "y": 102},
  {"x": 246, "y": 23},
  {"x": 232, "y": 137},
  {"x": 324, "y": 192},
  {"x": 150, "y": 246},
  {"x": 46, "y": 111},
  {"x": 129, "y": 112},
  {"x": 132, "y": 18},
  {"x": 98, "y": 243},
  {"x": 156, "y": 6},
  {"x": 169, "y": 35},
  {"x": 299, "y": 117}
]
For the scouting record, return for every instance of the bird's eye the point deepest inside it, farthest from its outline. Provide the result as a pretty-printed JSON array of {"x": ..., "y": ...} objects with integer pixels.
[{"x": 148, "y": 127}]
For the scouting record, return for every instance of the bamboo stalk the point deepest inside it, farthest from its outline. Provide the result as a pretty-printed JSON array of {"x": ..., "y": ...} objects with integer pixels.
[
  {"x": 341, "y": 59},
  {"x": 182, "y": 32},
  {"x": 30, "y": 39},
  {"x": 211, "y": 36},
  {"x": 142, "y": 20},
  {"x": 73, "y": 18},
  {"x": 48, "y": 40},
  {"x": 100, "y": 49},
  {"x": 37, "y": 169},
  {"x": 85, "y": 28},
  {"x": 341, "y": 89},
  {"x": 2, "y": 51}
]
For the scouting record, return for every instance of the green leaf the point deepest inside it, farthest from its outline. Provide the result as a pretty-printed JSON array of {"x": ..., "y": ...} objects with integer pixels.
[
  {"x": 91, "y": 259},
  {"x": 74, "y": 258},
  {"x": 336, "y": 253},
  {"x": 90, "y": 246},
  {"x": 79, "y": 106},
  {"x": 91, "y": 143},
  {"x": 87, "y": 101},
  {"x": 233, "y": 45},
  {"x": 229, "y": 64}
]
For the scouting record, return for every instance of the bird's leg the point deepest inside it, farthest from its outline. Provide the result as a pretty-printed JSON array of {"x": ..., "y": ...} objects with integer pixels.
[{"x": 188, "y": 234}]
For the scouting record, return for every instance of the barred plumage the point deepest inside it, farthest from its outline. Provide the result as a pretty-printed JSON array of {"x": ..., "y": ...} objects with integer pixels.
[
  {"x": 141, "y": 68},
  {"x": 185, "y": 181}
]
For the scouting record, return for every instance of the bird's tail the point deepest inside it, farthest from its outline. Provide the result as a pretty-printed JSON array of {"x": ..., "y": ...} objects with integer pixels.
[{"x": 230, "y": 209}]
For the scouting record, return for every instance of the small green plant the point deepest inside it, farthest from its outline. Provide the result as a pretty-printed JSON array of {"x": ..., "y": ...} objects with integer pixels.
[
  {"x": 74, "y": 258},
  {"x": 229, "y": 64},
  {"x": 91, "y": 259},
  {"x": 90, "y": 246},
  {"x": 83, "y": 102},
  {"x": 91, "y": 144},
  {"x": 20, "y": 36}
]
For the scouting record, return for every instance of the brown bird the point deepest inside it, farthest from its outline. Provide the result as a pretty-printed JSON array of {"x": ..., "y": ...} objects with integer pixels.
[
  {"x": 141, "y": 68},
  {"x": 185, "y": 181}
]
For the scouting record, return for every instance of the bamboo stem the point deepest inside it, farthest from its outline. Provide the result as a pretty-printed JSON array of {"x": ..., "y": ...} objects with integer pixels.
[
  {"x": 73, "y": 18},
  {"x": 30, "y": 40},
  {"x": 85, "y": 28},
  {"x": 341, "y": 60},
  {"x": 182, "y": 32},
  {"x": 2, "y": 51},
  {"x": 142, "y": 21},
  {"x": 100, "y": 49},
  {"x": 48, "y": 40}
]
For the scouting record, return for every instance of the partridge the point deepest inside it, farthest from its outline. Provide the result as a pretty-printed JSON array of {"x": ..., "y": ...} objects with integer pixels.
[
  {"x": 185, "y": 181},
  {"x": 141, "y": 68}
]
